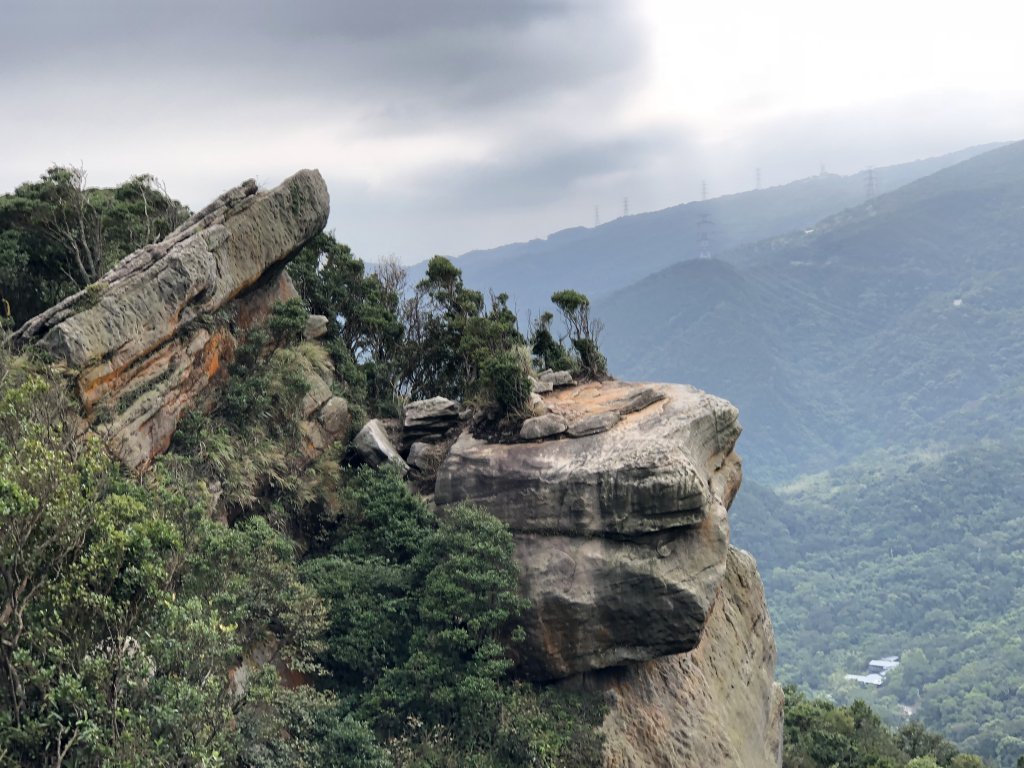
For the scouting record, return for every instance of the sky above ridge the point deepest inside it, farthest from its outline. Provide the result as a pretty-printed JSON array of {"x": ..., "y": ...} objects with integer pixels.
[{"x": 447, "y": 125}]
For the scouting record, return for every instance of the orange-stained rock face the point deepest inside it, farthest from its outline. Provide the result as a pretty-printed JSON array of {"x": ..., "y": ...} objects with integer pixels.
[{"x": 168, "y": 317}]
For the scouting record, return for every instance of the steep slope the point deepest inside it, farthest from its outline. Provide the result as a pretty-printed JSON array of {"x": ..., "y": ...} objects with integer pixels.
[
  {"x": 885, "y": 323},
  {"x": 605, "y": 258}
]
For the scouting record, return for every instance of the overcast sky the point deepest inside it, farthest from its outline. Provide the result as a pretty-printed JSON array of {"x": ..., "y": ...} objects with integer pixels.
[{"x": 447, "y": 125}]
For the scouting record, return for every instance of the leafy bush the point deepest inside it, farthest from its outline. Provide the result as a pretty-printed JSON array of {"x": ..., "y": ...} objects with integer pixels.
[
  {"x": 287, "y": 322},
  {"x": 506, "y": 382}
]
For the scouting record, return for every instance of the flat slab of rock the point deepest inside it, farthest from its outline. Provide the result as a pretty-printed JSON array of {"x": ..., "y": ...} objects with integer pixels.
[
  {"x": 556, "y": 378},
  {"x": 639, "y": 399},
  {"x": 539, "y": 427},
  {"x": 593, "y": 424},
  {"x": 428, "y": 419},
  {"x": 541, "y": 387}
]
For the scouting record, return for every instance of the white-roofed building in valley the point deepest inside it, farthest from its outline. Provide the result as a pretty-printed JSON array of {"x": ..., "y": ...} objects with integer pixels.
[{"x": 877, "y": 670}]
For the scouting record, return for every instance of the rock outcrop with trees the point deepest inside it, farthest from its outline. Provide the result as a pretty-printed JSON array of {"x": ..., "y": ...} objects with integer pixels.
[{"x": 262, "y": 507}]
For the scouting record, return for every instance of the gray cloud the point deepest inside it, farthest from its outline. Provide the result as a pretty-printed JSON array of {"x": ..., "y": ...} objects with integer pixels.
[
  {"x": 413, "y": 60},
  {"x": 538, "y": 172},
  {"x": 440, "y": 126}
]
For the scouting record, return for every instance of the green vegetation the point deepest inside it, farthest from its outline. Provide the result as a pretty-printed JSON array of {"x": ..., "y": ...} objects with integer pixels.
[
  {"x": 117, "y": 628},
  {"x": 150, "y": 623},
  {"x": 234, "y": 606},
  {"x": 440, "y": 337},
  {"x": 58, "y": 235},
  {"x": 929, "y": 565},
  {"x": 820, "y": 734}
]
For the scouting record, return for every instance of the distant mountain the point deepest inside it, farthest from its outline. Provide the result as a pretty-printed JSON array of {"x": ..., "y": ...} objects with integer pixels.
[
  {"x": 888, "y": 323},
  {"x": 603, "y": 259}
]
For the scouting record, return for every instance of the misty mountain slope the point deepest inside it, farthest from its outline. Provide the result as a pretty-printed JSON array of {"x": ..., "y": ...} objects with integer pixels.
[
  {"x": 870, "y": 331},
  {"x": 603, "y": 259}
]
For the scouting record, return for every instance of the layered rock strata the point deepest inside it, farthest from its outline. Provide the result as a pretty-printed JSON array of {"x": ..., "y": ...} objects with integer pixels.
[{"x": 144, "y": 343}]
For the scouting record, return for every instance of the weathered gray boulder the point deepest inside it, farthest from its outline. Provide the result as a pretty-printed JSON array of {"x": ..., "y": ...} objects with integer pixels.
[
  {"x": 556, "y": 378},
  {"x": 316, "y": 326},
  {"x": 539, "y": 427},
  {"x": 428, "y": 420},
  {"x": 594, "y": 423},
  {"x": 621, "y": 535},
  {"x": 373, "y": 446},
  {"x": 425, "y": 457},
  {"x": 541, "y": 387},
  {"x": 145, "y": 342},
  {"x": 536, "y": 405}
]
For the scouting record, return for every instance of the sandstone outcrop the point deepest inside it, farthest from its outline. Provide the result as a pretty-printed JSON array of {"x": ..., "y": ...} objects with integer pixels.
[
  {"x": 144, "y": 343},
  {"x": 715, "y": 707},
  {"x": 428, "y": 420},
  {"x": 622, "y": 537},
  {"x": 621, "y": 534}
]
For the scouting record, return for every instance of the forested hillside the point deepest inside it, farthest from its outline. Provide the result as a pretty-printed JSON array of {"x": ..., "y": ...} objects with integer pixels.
[{"x": 919, "y": 555}]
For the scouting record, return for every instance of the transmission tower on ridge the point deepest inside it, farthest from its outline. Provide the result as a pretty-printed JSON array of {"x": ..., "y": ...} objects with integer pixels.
[
  {"x": 625, "y": 206},
  {"x": 597, "y": 216},
  {"x": 704, "y": 226},
  {"x": 757, "y": 176},
  {"x": 869, "y": 185}
]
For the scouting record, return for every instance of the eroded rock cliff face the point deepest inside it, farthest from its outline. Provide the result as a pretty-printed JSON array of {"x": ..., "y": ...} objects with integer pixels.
[
  {"x": 144, "y": 343},
  {"x": 715, "y": 706},
  {"x": 623, "y": 541}
]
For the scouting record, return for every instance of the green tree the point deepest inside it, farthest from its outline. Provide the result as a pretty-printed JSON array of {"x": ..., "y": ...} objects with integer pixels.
[
  {"x": 364, "y": 327},
  {"x": 58, "y": 235},
  {"x": 583, "y": 332},
  {"x": 468, "y": 598},
  {"x": 546, "y": 349}
]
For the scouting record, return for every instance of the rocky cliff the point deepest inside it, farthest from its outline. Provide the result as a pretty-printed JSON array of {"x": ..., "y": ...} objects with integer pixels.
[
  {"x": 144, "y": 344},
  {"x": 617, "y": 494},
  {"x": 623, "y": 541}
]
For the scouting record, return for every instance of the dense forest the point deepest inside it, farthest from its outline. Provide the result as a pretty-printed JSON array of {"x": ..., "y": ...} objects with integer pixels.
[{"x": 942, "y": 591}]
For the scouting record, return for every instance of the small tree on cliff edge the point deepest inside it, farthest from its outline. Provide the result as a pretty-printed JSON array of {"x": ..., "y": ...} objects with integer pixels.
[{"x": 583, "y": 331}]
